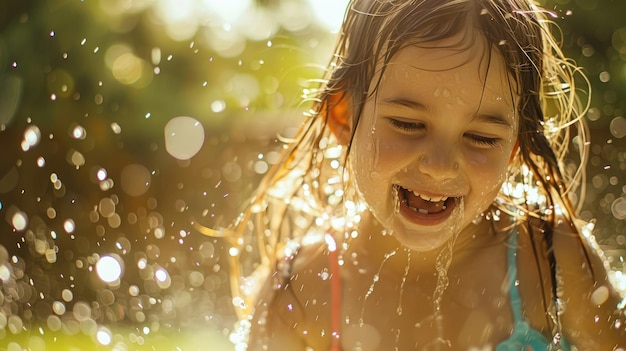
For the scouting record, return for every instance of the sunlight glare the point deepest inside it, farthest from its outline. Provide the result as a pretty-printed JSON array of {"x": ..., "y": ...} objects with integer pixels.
[
  {"x": 329, "y": 13},
  {"x": 228, "y": 11}
]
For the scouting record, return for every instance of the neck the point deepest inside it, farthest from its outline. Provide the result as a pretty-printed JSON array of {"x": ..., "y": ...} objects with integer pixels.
[{"x": 374, "y": 249}]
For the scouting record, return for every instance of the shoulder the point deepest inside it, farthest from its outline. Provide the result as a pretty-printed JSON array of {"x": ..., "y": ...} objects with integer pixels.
[
  {"x": 295, "y": 301},
  {"x": 578, "y": 257},
  {"x": 589, "y": 299},
  {"x": 587, "y": 296},
  {"x": 294, "y": 265}
]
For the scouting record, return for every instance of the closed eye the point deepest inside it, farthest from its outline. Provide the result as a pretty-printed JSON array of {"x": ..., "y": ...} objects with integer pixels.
[
  {"x": 405, "y": 126},
  {"x": 482, "y": 141}
]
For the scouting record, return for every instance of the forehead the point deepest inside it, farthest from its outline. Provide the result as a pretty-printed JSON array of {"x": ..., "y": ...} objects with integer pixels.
[{"x": 459, "y": 63}]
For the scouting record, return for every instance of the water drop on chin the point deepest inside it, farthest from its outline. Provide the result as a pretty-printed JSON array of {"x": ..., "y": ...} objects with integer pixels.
[{"x": 456, "y": 218}]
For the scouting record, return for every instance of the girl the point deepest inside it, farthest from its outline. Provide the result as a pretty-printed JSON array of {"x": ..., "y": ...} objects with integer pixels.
[{"x": 424, "y": 204}]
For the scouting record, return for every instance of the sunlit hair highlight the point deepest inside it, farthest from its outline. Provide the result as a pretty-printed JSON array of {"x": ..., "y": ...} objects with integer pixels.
[{"x": 308, "y": 182}]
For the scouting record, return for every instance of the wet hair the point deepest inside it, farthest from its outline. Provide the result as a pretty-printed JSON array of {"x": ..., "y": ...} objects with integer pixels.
[
  {"x": 548, "y": 103},
  {"x": 549, "y": 106}
]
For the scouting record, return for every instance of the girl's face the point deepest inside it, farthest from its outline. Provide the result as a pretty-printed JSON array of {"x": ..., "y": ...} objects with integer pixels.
[{"x": 434, "y": 141}]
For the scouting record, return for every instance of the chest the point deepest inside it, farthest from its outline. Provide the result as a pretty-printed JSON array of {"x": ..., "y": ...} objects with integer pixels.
[
  {"x": 421, "y": 312},
  {"x": 372, "y": 310}
]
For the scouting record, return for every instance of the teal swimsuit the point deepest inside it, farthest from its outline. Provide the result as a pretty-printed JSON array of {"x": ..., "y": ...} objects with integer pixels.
[{"x": 523, "y": 337}]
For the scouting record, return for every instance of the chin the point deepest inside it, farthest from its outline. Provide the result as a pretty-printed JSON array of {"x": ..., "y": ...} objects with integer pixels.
[{"x": 426, "y": 240}]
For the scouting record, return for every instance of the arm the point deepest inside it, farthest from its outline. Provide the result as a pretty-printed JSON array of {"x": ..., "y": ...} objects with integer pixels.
[{"x": 590, "y": 298}]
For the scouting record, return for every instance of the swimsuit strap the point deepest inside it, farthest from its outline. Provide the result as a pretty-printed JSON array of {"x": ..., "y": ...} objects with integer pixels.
[
  {"x": 523, "y": 336},
  {"x": 514, "y": 296}
]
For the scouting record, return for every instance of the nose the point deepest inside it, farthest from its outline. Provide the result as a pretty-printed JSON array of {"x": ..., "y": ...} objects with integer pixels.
[{"x": 439, "y": 162}]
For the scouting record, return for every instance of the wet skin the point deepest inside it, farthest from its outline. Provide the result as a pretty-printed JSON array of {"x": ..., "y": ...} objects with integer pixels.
[
  {"x": 475, "y": 310},
  {"x": 441, "y": 124}
]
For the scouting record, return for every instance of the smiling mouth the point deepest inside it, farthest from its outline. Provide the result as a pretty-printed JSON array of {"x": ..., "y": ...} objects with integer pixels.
[
  {"x": 422, "y": 203},
  {"x": 424, "y": 209}
]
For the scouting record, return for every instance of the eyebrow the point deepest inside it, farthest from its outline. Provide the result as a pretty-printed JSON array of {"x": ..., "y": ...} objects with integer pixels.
[
  {"x": 416, "y": 105},
  {"x": 400, "y": 101},
  {"x": 494, "y": 119}
]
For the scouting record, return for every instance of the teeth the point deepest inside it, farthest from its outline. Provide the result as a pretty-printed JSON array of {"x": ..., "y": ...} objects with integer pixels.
[{"x": 431, "y": 199}]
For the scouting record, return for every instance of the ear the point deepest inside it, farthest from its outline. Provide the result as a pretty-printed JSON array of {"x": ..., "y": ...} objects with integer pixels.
[
  {"x": 338, "y": 115},
  {"x": 514, "y": 151}
]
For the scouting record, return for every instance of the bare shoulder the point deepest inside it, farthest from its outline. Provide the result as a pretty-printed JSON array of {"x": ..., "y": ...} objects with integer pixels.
[
  {"x": 591, "y": 315},
  {"x": 296, "y": 293}
]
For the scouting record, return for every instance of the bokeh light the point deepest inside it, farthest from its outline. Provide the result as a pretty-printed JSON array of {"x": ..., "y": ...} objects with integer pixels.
[
  {"x": 122, "y": 122},
  {"x": 109, "y": 269},
  {"x": 184, "y": 137}
]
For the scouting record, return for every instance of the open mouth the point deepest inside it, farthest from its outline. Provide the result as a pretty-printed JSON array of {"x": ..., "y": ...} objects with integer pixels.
[{"x": 424, "y": 209}]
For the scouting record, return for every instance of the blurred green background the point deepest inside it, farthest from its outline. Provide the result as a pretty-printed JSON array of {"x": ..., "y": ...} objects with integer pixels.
[{"x": 122, "y": 121}]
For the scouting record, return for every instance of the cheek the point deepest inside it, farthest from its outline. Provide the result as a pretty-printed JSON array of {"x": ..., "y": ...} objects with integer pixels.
[
  {"x": 392, "y": 155},
  {"x": 376, "y": 151},
  {"x": 477, "y": 159},
  {"x": 363, "y": 160},
  {"x": 488, "y": 171},
  {"x": 493, "y": 160}
]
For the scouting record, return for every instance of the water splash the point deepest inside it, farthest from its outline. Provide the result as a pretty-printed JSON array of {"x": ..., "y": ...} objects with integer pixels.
[
  {"x": 404, "y": 276},
  {"x": 399, "y": 308},
  {"x": 442, "y": 264},
  {"x": 375, "y": 280}
]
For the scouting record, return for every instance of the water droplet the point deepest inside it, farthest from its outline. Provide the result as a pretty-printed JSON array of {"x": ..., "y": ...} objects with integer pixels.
[
  {"x": 5, "y": 273},
  {"x": 19, "y": 221},
  {"x": 324, "y": 275},
  {"x": 81, "y": 311},
  {"x": 162, "y": 278},
  {"x": 67, "y": 295},
  {"x": 109, "y": 269},
  {"x": 135, "y": 179},
  {"x": 618, "y": 127},
  {"x": 79, "y": 132},
  {"x": 32, "y": 136},
  {"x": 600, "y": 296},
  {"x": 116, "y": 128},
  {"x": 106, "y": 207},
  {"x": 104, "y": 336},
  {"x": 618, "y": 208},
  {"x": 58, "y": 307},
  {"x": 184, "y": 137},
  {"x": 605, "y": 76},
  {"x": 69, "y": 225},
  {"x": 54, "y": 323}
]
